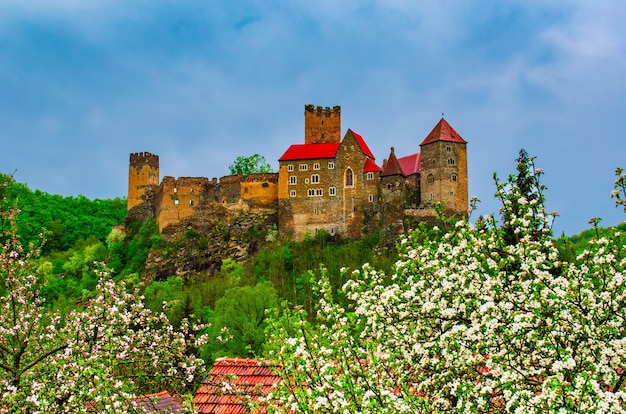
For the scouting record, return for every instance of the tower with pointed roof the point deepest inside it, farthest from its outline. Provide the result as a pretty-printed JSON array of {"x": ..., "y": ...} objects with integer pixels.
[{"x": 444, "y": 170}]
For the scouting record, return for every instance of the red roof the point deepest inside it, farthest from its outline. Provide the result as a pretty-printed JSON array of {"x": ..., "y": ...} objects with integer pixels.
[
  {"x": 410, "y": 164},
  {"x": 310, "y": 151},
  {"x": 359, "y": 139},
  {"x": 234, "y": 382},
  {"x": 443, "y": 132},
  {"x": 161, "y": 402},
  {"x": 392, "y": 166},
  {"x": 370, "y": 166}
]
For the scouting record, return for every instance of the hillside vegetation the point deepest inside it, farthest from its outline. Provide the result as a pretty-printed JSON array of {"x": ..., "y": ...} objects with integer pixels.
[
  {"x": 495, "y": 316},
  {"x": 79, "y": 233}
]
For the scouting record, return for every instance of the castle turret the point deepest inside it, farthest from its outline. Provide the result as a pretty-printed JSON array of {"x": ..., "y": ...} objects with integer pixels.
[
  {"x": 143, "y": 177},
  {"x": 322, "y": 125},
  {"x": 444, "y": 169}
]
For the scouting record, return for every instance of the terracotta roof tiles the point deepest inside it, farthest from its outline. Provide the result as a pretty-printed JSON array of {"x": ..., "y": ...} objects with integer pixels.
[
  {"x": 392, "y": 166},
  {"x": 233, "y": 383},
  {"x": 443, "y": 132},
  {"x": 161, "y": 402}
]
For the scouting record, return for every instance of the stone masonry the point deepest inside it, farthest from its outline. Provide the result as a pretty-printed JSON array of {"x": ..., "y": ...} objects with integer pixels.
[{"x": 327, "y": 183}]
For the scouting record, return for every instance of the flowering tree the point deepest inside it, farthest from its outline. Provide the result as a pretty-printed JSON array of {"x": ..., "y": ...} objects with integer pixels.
[
  {"x": 97, "y": 358},
  {"x": 473, "y": 319}
]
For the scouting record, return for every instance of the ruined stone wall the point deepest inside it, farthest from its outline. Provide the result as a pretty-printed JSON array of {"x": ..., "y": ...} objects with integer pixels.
[
  {"x": 322, "y": 125},
  {"x": 260, "y": 190},
  {"x": 143, "y": 176},
  {"x": 230, "y": 189},
  {"x": 179, "y": 198}
]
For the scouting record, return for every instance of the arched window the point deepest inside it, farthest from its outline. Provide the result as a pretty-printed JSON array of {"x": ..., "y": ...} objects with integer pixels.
[
  {"x": 349, "y": 178},
  {"x": 430, "y": 179}
]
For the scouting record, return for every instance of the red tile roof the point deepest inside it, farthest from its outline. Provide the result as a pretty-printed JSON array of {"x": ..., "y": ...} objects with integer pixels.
[
  {"x": 410, "y": 164},
  {"x": 392, "y": 166},
  {"x": 161, "y": 402},
  {"x": 370, "y": 166},
  {"x": 359, "y": 139},
  {"x": 234, "y": 382},
  {"x": 310, "y": 151},
  {"x": 443, "y": 132}
]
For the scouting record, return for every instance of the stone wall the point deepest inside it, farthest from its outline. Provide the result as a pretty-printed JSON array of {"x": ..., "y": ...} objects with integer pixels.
[
  {"x": 444, "y": 176},
  {"x": 322, "y": 125},
  {"x": 143, "y": 175}
]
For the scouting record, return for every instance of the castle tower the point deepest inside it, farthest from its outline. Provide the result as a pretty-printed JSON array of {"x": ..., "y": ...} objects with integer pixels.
[
  {"x": 322, "y": 125},
  {"x": 143, "y": 176},
  {"x": 444, "y": 170}
]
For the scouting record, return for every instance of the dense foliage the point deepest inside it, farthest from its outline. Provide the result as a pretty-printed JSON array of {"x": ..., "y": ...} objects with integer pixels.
[
  {"x": 482, "y": 318},
  {"x": 249, "y": 165},
  {"x": 64, "y": 221},
  {"x": 95, "y": 358}
]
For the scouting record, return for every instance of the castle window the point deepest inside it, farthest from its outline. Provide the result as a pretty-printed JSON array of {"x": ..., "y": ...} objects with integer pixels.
[
  {"x": 430, "y": 179},
  {"x": 303, "y": 167},
  {"x": 451, "y": 193},
  {"x": 175, "y": 190},
  {"x": 265, "y": 185},
  {"x": 319, "y": 192},
  {"x": 292, "y": 193},
  {"x": 451, "y": 161},
  {"x": 349, "y": 178},
  {"x": 388, "y": 186},
  {"x": 306, "y": 180},
  {"x": 191, "y": 191},
  {"x": 331, "y": 165},
  {"x": 191, "y": 202},
  {"x": 448, "y": 148},
  {"x": 290, "y": 168},
  {"x": 431, "y": 197},
  {"x": 175, "y": 202},
  {"x": 311, "y": 192},
  {"x": 371, "y": 198},
  {"x": 315, "y": 211},
  {"x": 332, "y": 191},
  {"x": 454, "y": 178},
  {"x": 370, "y": 175},
  {"x": 316, "y": 166},
  {"x": 293, "y": 180},
  {"x": 315, "y": 179}
]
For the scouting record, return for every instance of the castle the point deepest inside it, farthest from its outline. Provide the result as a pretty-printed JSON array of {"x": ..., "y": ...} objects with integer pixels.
[{"x": 327, "y": 183}]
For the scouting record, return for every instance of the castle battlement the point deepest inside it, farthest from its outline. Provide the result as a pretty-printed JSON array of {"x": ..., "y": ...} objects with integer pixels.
[{"x": 336, "y": 188}]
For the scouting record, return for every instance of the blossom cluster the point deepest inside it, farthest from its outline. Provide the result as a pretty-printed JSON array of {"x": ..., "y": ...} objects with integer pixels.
[
  {"x": 482, "y": 318},
  {"x": 97, "y": 358}
]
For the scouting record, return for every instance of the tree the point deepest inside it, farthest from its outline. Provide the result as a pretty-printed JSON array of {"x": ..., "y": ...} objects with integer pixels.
[
  {"x": 243, "y": 312},
  {"x": 96, "y": 358},
  {"x": 250, "y": 165},
  {"x": 467, "y": 322}
]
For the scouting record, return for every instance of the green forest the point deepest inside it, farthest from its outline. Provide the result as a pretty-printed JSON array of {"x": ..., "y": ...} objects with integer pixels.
[{"x": 76, "y": 233}]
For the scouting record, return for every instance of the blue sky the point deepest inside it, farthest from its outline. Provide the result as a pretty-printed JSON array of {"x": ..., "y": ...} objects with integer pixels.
[{"x": 85, "y": 83}]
